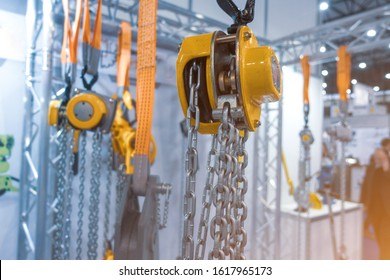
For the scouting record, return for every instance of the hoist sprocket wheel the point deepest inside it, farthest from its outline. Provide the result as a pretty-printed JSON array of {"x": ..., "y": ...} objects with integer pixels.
[
  {"x": 53, "y": 113},
  {"x": 85, "y": 111},
  {"x": 229, "y": 65}
]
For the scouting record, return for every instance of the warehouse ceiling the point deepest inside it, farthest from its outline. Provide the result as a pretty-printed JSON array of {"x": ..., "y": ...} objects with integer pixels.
[{"x": 368, "y": 67}]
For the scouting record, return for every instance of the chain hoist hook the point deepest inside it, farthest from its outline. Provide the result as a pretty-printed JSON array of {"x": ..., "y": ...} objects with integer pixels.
[{"x": 240, "y": 17}]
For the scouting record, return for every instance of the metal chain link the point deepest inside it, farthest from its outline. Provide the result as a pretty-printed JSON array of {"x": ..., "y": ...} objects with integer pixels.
[
  {"x": 93, "y": 226},
  {"x": 120, "y": 185},
  {"x": 80, "y": 213},
  {"x": 240, "y": 207},
  {"x": 108, "y": 195},
  {"x": 69, "y": 194},
  {"x": 206, "y": 201},
  {"x": 60, "y": 184},
  {"x": 222, "y": 193},
  {"x": 162, "y": 223},
  {"x": 191, "y": 164}
]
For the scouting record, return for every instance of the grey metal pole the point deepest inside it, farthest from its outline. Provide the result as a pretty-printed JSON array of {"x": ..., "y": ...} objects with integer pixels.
[
  {"x": 278, "y": 195},
  {"x": 43, "y": 166},
  {"x": 24, "y": 237}
]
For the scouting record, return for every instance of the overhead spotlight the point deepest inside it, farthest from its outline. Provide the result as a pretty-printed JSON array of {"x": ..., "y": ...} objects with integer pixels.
[
  {"x": 324, "y": 6},
  {"x": 324, "y": 72},
  {"x": 376, "y": 88},
  {"x": 199, "y": 16},
  {"x": 322, "y": 49},
  {"x": 349, "y": 91},
  {"x": 323, "y": 92},
  {"x": 324, "y": 85},
  {"x": 387, "y": 76},
  {"x": 194, "y": 28},
  {"x": 354, "y": 81},
  {"x": 371, "y": 33},
  {"x": 362, "y": 65}
]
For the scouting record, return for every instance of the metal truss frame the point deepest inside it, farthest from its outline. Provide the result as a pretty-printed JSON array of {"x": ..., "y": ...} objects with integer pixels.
[
  {"x": 174, "y": 23},
  {"x": 350, "y": 31},
  {"x": 266, "y": 219}
]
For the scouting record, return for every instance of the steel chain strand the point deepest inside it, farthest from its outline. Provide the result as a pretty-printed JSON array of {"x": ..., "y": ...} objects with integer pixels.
[
  {"x": 108, "y": 195},
  {"x": 69, "y": 194},
  {"x": 162, "y": 223},
  {"x": 120, "y": 184},
  {"x": 206, "y": 201},
  {"x": 191, "y": 164},
  {"x": 60, "y": 182},
  {"x": 94, "y": 197},
  {"x": 80, "y": 213},
  {"x": 299, "y": 197},
  {"x": 241, "y": 185},
  {"x": 307, "y": 187},
  {"x": 228, "y": 247},
  {"x": 221, "y": 191}
]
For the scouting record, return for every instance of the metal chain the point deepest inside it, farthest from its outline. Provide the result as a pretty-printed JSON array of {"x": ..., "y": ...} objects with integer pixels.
[
  {"x": 191, "y": 163},
  {"x": 206, "y": 201},
  {"x": 120, "y": 185},
  {"x": 69, "y": 194},
  {"x": 240, "y": 207},
  {"x": 59, "y": 206},
  {"x": 108, "y": 195},
  {"x": 80, "y": 213},
  {"x": 221, "y": 193},
  {"x": 163, "y": 223},
  {"x": 93, "y": 217}
]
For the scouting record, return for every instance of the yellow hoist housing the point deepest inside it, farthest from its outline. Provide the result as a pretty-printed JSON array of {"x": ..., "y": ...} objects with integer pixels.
[{"x": 230, "y": 65}]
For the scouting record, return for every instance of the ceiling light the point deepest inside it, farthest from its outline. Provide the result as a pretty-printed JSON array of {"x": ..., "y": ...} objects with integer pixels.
[
  {"x": 324, "y": 6},
  {"x": 354, "y": 82},
  {"x": 323, "y": 92},
  {"x": 362, "y": 65},
  {"x": 325, "y": 73},
  {"x": 349, "y": 91},
  {"x": 387, "y": 76},
  {"x": 376, "y": 88},
  {"x": 324, "y": 85},
  {"x": 194, "y": 28},
  {"x": 322, "y": 49},
  {"x": 371, "y": 33},
  {"x": 199, "y": 16}
]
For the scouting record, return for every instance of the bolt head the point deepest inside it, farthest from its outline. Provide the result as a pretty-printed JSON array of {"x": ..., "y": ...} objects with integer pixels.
[{"x": 257, "y": 123}]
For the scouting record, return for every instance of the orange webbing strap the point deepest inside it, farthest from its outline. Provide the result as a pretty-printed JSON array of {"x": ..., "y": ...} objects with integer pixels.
[
  {"x": 91, "y": 46},
  {"x": 146, "y": 71},
  {"x": 306, "y": 76},
  {"x": 97, "y": 30},
  {"x": 123, "y": 58},
  {"x": 70, "y": 36},
  {"x": 343, "y": 72}
]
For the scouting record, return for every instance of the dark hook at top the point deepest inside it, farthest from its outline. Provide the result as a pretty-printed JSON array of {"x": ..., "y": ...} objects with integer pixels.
[{"x": 240, "y": 17}]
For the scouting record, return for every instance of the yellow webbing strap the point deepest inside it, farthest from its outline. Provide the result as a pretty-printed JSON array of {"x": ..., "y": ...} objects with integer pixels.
[
  {"x": 70, "y": 38},
  {"x": 306, "y": 76},
  {"x": 124, "y": 56},
  {"x": 343, "y": 72},
  {"x": 289, "y": 181},
  {"x": 97, "y": 31},
  {"x": 146, "y": 71}
]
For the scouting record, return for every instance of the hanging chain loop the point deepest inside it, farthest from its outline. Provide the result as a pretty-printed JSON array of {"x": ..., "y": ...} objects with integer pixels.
[
  {"x": 191, "y": 163},
  {"x": 80, "y": 213}
]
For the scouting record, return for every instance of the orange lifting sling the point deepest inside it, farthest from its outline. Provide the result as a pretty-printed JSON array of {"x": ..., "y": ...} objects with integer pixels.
[
  {"x": 306, "y": 76},
  {"x": 146, "y": 71},
  {"x": 343, "y": 72}
]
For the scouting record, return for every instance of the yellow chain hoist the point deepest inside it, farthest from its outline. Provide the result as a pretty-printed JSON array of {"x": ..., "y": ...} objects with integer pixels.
[
  {"x": 236, "y": 69},
  {"x": 222, "y": 81}
]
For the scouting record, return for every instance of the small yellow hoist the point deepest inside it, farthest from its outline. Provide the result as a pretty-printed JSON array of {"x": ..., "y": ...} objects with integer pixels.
[{"x": 222, "y": 81}]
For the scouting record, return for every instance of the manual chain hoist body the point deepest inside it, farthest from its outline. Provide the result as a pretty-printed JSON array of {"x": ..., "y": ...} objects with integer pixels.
[{"x": 234, "y": 69}]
